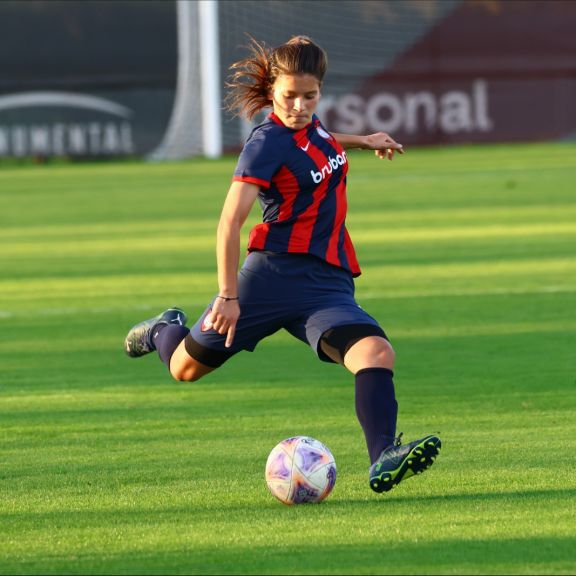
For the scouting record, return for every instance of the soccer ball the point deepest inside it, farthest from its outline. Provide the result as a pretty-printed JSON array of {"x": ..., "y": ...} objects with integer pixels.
[{"x": 300, "y": 470}]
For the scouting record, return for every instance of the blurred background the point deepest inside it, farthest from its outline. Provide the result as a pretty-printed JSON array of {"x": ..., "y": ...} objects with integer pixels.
[{"x": 109, "y": 79}]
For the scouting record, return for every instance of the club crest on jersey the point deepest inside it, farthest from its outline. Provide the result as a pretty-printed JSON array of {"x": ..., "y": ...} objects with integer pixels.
[{"x": 334, "y": 162}]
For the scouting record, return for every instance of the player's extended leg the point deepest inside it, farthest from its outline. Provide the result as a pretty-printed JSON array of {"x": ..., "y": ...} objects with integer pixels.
[
  {"x": 371, "y": 359},
  {"x": 166, "y": 333}
]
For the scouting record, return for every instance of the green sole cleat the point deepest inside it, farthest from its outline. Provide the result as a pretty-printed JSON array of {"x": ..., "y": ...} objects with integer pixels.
[{"x": 399, "y": 462}]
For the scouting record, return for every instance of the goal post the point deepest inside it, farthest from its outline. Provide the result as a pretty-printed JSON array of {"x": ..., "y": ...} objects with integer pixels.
[
  {"x": 210, "y": 78},
  {"x": 195, "y": 126}
]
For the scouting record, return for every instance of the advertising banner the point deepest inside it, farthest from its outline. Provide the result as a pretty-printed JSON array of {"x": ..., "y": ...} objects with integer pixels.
[
  {"x": 487, "y": 72},
  {"x": 428, "y": 72},
  {"x": 86, "y": 79}
]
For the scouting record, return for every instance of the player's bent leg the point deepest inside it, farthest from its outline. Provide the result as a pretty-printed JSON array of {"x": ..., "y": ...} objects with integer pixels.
[
  {"x": 141, "y": 339},
  {"x": 185, "y": 368},
  {"x": 192, "y": 359},
  {"x": 166, "y": 334}
]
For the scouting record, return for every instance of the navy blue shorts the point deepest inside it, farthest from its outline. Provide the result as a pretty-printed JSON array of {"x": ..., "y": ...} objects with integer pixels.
[{"x": 298, "y": 292}]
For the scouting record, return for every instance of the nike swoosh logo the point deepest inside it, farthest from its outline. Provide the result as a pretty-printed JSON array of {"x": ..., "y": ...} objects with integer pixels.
[{"x": 305, "y": 148}]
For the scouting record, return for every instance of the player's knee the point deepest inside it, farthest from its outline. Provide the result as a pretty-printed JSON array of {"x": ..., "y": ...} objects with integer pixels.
[
  {"x": 383, "y": 353},
  {"x": 370, "y": 352},
  {"x": 186, "y": 373},
  {"x": 368, "y": 339}
]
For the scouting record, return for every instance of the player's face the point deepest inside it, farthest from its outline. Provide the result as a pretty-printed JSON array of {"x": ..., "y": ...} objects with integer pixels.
[{"x": 294, "y": 99}]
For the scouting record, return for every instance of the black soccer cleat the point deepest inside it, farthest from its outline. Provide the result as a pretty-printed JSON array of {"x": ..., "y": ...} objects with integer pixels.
[
  {"x": 139, "y": 340},
  {"x": 397, "y": 462}
]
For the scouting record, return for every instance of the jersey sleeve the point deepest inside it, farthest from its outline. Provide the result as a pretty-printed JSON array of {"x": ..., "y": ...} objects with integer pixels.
[{"x": 258, "y": 161}]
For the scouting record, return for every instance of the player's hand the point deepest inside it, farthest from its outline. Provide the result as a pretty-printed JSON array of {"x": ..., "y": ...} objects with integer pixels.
[
  {"x": 224, "y": 317},
  {"x": 384, "y": 145}
]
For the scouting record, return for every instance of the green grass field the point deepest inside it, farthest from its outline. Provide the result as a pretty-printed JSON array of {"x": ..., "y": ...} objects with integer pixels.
[{"x": 107, "y": 466}]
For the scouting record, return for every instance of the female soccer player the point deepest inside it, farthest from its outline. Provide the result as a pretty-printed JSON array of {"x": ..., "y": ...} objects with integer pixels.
[{"x": 298, "y": 274}]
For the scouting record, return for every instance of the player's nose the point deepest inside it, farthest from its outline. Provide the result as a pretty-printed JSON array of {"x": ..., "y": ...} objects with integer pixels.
[{"x": 298, "y": 104}]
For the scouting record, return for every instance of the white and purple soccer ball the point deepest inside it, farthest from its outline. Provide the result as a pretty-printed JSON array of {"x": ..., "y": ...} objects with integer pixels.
[{"x": 300, "y": 470}]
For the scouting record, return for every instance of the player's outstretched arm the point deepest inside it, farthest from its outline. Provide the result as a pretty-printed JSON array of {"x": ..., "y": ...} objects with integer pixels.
[{"x": 383, "y": 144}]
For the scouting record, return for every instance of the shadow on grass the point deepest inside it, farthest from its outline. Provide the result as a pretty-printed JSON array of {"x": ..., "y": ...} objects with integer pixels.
[
  {"x": 531, "y": 555},
  {"x": 199, "y": 511}
]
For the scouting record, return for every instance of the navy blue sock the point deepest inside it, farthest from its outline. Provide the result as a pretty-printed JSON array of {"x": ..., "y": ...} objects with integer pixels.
[
  {"x": 166, "y": 338},
  {"x": 376, "y": 408}
]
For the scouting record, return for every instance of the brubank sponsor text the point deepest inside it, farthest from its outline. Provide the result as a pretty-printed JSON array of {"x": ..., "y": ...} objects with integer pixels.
[{"x": 333, "y": 164}]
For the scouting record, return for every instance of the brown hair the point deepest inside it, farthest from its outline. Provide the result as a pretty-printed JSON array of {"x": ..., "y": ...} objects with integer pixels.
[{"x": 252, "y": 78}]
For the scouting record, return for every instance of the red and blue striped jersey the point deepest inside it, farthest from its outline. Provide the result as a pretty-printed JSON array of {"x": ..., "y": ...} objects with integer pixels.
[{"x": 302, "y": 180}]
